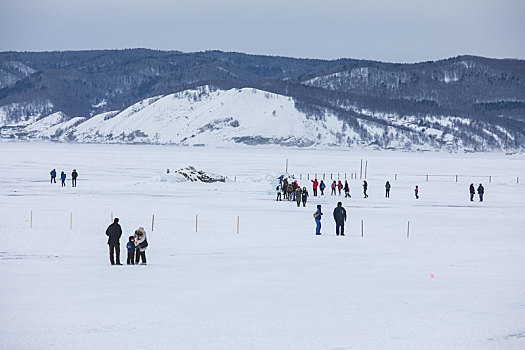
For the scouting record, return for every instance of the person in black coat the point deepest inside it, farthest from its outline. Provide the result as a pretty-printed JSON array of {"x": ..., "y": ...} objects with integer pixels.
[
  {"x": 53, "y": 174},
  {"x": 74, "y": 176},
  {"x": 365, "y": 188},
  {"x": 481, "y": 191},
  {"x": 472, "y": 192},
  {"x": 340, "y": 218},
  {"x": 114, "y": 231}
]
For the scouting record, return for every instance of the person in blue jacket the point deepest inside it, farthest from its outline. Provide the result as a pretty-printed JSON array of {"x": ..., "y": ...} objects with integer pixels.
[
  {"x": 63, "y": 179},
  {"x": 131, "y": 250},
  {"x": 53, "y": 174},
  {"x": 340, "y": 219},
  {"x": 317, "y": 216}
]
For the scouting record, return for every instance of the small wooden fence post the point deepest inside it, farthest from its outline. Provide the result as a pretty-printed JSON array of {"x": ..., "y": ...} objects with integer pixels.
[
  {"x": 395, "y": 177},
  {"x": 152, "y": 222},
  {"x": 70, "y": 221},
  {"x": 456, "y": 178},
  {"x": 31, "y": 220},
  {"x": 490, "y": 179},
  {"x": 196, "y": 222},
  {"x": 427, "y": 178},
  {"x": 366, "y": 168},
  {"x": 237, "y": 224},
  {"x": 408, "y": 229},
  {"x": 362, "y": 229},
  {"x": 111, "y": 217}
]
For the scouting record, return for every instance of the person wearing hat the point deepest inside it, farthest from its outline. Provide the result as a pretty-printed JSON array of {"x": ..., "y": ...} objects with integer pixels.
[
  {"x": 340, "y": 219},
  {"x": 141, "y": 243},
  {"x": 114, "y": 232}
]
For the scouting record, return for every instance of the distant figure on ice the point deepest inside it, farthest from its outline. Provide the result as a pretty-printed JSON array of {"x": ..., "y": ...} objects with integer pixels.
[
  {"x": 334, "y": 185},
  {"x": 340, "y": 219},
  {"x": 387, "y": 188},
  {"x": 416, "y": 192},
  {"x": 167, "y": 171},
  {"x": 278, "y": 190},
  {"x": 131, "y": 250},
  {"x": 315, "y": 184},
  {"x": 298, "y": 196},
  {"x": 53, "y": 174},
  {"x": 141, "y": 243},
  {"x": 365, "y": 188},
  {"x": 339, "y": 186},
  {"x": 114, "y": 231},
  {"x": 63, "y": 178},
  {"x": 481, "y": 191},
  {"x": 472, "y": 192},
  {"x": 304, "y": 196},
  {"x": 347, "y": 190},
  {"x": 74, "y": 176},
  {"x": 322, "y": 186},
  {"x": 317, "y": 217}
]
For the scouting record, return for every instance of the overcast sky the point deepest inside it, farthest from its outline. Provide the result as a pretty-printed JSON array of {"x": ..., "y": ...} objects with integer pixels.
[{"x": 387, "y": 30}]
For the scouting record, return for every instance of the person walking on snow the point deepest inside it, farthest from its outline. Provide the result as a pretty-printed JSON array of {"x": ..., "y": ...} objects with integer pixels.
[
  {"x": 387, "y": 188},
  {"x": 278, "y": 190},
  {"x": 114, "y": 231},
  {"x": 472, "y": 192},
  {"x": 481, "y": 191},
  {"x": 74, "y": 176},
  {"x": 53, "y": 174},
  {"x": 298, "y": 196},
  {"x": 142, "y": 243},
  {"x": 334, "y": 185},
  {"x": 416, "y": 192},
  {"x": 317, "y": 217},
  {"x": 340, "y": 219},
  {"x": 322, "y": 186},
  {"x": 304, "y": 195},
  {"x": 347, "y": 190},
  {"x": 63, "y": 179},
  {"x": 365, "y": 188},
  {"x": 314, "y": 186},
  {"x": 339, "y": 186}
]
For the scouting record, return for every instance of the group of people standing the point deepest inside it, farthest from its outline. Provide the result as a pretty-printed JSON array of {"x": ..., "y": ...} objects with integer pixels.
[
  {"x": 136, "y": 246},
  {"x": 339, "y": 218},
  {"x": 74, "y": 176},
  {"x": 481, "y": 191}
]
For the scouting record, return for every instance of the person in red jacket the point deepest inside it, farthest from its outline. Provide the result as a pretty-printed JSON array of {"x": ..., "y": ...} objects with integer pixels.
[
  {"x": 339, "y": 186},
  {"x": 315, "y": 185}
]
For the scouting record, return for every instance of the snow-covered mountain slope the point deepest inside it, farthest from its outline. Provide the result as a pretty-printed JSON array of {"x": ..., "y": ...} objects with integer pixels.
[{"x": 205, "y": 116}]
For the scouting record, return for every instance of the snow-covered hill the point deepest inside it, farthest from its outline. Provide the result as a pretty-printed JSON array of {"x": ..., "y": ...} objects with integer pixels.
[
  {"x": 248, "y": 116},
  {"x": 205, "y": 116}
]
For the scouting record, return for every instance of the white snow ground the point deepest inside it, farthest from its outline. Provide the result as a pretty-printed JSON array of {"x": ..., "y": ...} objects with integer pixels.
[{"x": 274, "y": 285}]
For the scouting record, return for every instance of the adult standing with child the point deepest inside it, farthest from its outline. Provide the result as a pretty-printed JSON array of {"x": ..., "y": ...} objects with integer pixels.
[{"x": 141, "y": 244}]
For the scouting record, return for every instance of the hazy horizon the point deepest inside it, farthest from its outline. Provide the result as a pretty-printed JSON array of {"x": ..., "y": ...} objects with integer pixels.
[{"x": 381, "y": 30}]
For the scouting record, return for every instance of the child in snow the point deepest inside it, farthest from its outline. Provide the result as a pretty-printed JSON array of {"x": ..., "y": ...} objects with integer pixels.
[{"x": 131, "y": 250}]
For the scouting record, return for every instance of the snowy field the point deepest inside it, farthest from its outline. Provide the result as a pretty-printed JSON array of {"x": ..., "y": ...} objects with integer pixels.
[{"x": 274, "y": 285}]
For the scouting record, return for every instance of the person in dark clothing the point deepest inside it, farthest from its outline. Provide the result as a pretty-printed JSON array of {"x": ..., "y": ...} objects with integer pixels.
[
  {"x": 278, "y": 190},
  {"x": 74, "y": 176},
  {"x": 416, "y": 192},
  {"x": 63, "y": 179},
  {"x": 340, "y": 219},
  {"x": 481, "y": 191},
  {"x": 322, "y": 186},
  {"x": 347, "y": 190},
  {"x": 290, "y": 191},
  {"x": 339, "y": 186},
  {"x": 53, "y": 174},
  {"x": 304, "y": 196},
  {"x": 114, "y": 232},
  {"x": 142, "y": 244},
  {"x": 131, "y": 250},
  {"x": 387, "y": 188},
  {"x": 298, "y": 198},
  {"x": 365, "y": 188},
  {"x": 317, "y": 217},
  {"x": 334, "y": 185},
  {"x": 472, "y": 192}
]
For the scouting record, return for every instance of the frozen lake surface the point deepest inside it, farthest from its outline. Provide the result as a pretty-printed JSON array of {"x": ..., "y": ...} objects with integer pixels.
[{"x": 457, "y": 282}]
